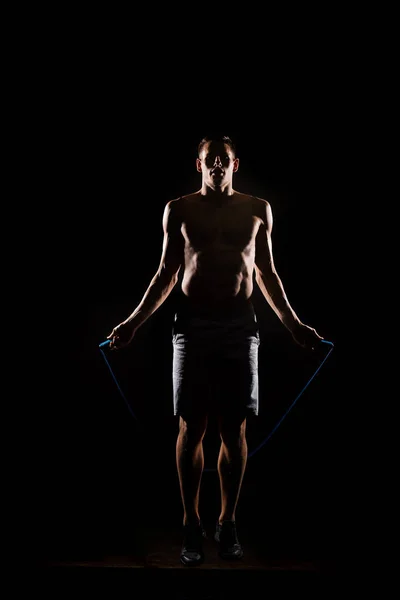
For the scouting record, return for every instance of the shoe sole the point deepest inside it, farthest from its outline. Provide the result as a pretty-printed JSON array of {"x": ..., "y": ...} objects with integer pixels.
[{"x": 193, "y": 564}]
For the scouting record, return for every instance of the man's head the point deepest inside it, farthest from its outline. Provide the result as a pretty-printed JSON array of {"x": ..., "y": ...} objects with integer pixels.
[{"x": 217, "y": 161}]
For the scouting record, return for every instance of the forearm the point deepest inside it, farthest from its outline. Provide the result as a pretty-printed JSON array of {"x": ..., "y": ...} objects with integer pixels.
[
  {"x": 272, "y": 289},
  {"x": 158, "y": 291}
]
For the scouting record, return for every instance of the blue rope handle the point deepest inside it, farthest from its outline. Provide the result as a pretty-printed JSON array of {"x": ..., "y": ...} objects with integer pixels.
[{"x": 107, "y": 343}]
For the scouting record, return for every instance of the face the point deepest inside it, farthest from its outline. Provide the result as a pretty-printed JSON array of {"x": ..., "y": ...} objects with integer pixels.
[{"x": 217, "y": 164}]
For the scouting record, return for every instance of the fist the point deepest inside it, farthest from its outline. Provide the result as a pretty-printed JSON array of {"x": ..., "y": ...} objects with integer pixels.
[{"x": 121, "y": 335}]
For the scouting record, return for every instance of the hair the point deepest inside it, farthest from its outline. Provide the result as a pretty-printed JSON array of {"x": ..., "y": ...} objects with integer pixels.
[{"x": 217, "y": 138}]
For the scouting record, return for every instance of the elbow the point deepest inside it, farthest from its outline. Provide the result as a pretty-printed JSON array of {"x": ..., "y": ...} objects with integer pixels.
[
  {"x": 168, "y": 277},
  {"x": 174, "y": 280},
  {"x": 264, "y": 276},
  {"x": 258, "y": 274},
  {"x": 173, "y": 275}
]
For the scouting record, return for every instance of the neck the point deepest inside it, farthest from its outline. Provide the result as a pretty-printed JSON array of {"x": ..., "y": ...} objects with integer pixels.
[{"x": 217, "y": 193}]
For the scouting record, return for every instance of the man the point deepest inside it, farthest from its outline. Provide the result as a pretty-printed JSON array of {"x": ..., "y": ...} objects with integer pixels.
[{"x": 220, "y": 238}]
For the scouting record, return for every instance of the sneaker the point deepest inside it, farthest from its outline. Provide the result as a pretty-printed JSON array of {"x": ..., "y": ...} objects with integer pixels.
[
  {"x": 192, "y": 547},
  {"x": 226, "y": 536}
]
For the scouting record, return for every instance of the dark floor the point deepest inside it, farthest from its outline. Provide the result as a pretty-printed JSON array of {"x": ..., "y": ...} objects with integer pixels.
[
  {"x": 152, "y": 569},
  {"x": 105, "y": 506},
  {"x": 125, "y": 538}
]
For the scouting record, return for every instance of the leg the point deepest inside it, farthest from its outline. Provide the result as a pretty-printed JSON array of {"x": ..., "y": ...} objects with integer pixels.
[
  {"x": 238, "y": 396},
  {"x": 231, "y": 467},
  {"x": 231, "y": 463},
  {"x": 190, "y": 464}
]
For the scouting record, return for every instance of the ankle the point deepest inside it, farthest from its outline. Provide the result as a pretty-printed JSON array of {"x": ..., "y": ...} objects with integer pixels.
[
  {"x": 192, "y": 521},
  {"x": 224, "y": 519}
]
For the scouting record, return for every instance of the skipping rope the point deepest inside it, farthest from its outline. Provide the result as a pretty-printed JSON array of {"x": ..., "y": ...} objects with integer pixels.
[{"x": 105, "y": 344}]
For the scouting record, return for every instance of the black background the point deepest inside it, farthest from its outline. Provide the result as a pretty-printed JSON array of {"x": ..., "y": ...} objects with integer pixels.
[{"x": 96, "y": 476}]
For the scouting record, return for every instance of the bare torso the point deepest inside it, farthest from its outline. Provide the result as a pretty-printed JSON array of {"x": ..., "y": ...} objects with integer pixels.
[{"x": 219, "y": 249}]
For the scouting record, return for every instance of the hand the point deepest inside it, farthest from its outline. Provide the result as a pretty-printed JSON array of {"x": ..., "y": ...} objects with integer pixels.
[
  {"x": 306, "y": 336},
  {"x": 121, "y": 335}
]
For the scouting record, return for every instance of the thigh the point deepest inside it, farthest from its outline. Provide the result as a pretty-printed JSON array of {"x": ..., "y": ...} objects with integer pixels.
[
  {"x": 190, "y": 378},
  {"x": 236, "y": 379}
]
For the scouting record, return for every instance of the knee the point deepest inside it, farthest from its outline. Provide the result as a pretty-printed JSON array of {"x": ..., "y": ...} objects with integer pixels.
[
  {"x": 233, "y": 434},
  {"x": 191, "y": 432}
]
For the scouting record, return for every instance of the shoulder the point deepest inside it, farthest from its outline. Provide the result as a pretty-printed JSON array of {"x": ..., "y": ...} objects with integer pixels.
[
  {"x": 262, "y": 208},
  {"x": 178, "y": 203},
  {"x": 171, "y": 214},
  {"x": 258, "y": 204},
  {"x": 174, "y": 209}
]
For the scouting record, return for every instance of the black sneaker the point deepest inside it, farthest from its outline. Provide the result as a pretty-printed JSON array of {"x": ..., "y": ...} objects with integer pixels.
[
  {"x": 226, "y": 536},
  {"x": 192, "y": 547}
]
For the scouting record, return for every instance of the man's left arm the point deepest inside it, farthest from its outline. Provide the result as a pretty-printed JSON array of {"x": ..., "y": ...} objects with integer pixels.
[{"x": 271, "y": 285}]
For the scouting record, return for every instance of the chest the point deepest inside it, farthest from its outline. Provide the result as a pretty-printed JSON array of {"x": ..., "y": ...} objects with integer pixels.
[{"x": 233, "y": 225}]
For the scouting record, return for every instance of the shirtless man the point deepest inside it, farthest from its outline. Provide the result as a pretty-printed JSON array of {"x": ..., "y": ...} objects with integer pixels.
[{"x": 220, "y": 238}]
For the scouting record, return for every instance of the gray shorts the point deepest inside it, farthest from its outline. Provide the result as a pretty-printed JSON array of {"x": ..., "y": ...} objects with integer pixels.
[{"x": 215, "y": 364}]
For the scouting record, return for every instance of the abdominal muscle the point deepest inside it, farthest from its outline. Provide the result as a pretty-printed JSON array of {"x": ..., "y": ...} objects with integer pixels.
[{"x": 218, "y": 282}]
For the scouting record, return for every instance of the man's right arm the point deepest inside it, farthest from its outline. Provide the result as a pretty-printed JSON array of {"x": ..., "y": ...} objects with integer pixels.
[{"x": 163, "y": 282}]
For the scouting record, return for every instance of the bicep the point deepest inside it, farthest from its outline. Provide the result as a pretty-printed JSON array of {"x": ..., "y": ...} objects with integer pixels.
[
  {"x": 264, "y": 262},
  {"x": 172, "y": 247}
]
